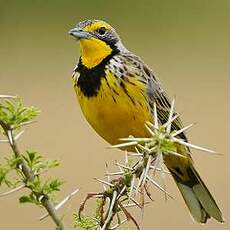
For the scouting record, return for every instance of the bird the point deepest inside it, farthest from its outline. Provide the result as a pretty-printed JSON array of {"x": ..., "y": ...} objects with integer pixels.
[{"x": 116, "y": 91}]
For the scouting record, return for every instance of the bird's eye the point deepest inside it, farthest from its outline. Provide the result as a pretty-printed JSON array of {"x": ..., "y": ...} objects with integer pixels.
[{"x": 101, "y": 30}]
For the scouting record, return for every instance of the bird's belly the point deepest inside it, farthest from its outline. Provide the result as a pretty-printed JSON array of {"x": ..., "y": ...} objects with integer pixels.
[{"x": 115, "y": 116}]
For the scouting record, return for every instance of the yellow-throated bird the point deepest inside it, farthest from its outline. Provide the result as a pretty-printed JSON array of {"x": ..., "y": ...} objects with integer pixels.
[{"x": 116, "y": 91}]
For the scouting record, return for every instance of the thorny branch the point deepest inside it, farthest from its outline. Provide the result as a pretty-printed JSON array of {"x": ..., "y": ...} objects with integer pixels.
[
  {"x": 9, "y": 125},
  {"x": 129, "y": 186},
  {"x": 30, "y": 177}
]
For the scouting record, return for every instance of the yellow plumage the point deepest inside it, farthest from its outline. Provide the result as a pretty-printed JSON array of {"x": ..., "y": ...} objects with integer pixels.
[
  {"x": 115, "y": 115},
  {"x": 116, "y": 92},
  {"x": 90, "y": 46}
]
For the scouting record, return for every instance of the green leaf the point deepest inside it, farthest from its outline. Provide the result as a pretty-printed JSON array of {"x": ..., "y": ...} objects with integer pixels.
[
  {"x": 13, "y": 113},
  {"x": 55, "y": 185},
  {"x": 52, "y": 163},
  {"x": 3, "y": 173},
  {"x": 37, "y": 163},
  {"x": 51, "y": 186},
  {"x": 6, "y": 177},
  {"x": 89, "y": 222},
  {"x": 13, "y": 162},
  {"x": 86, "y": 222},
  {"x": 31, "y": 198},
  {"x": 25, "y": 199}
]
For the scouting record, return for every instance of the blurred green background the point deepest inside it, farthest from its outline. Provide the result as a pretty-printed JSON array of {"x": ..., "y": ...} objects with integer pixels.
[{"x": 187, "y": 45}]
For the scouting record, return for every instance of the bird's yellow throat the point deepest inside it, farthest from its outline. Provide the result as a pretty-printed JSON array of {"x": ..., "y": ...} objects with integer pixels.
[{"x": 93, "y": 51}]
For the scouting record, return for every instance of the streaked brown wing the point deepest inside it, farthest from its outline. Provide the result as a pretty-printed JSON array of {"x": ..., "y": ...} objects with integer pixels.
[{"x": 154, "y": 91}]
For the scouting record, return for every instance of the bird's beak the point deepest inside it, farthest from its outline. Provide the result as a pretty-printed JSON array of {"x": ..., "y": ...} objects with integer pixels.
[{"x": 77, "y": 33}]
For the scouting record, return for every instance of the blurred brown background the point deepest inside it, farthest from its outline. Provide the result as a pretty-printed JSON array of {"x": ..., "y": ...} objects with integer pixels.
[{"x": 187, "y": 45}]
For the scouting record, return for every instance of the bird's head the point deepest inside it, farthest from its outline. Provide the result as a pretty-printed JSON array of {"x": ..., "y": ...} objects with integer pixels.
[{"x": 97, "y": 41}]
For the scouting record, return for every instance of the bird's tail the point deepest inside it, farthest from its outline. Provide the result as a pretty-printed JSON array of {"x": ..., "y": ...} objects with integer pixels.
[{"x": 197, "y": 197}]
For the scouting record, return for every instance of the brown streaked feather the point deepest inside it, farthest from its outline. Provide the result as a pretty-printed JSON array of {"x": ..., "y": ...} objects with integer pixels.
[{"x": 130, "y": 63}]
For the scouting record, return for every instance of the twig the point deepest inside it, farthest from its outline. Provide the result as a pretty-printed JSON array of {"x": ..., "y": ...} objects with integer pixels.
[
  {"x": 128, "y": 215},
  {"x": 110, "y": 213},
  {"x": 104, "y": 182},
  {"x": 7, "y": 97},
  {"x": 25, "y": 123},
  {"x": 15, "y": 138},
  {"x": 59, "y": 205},
  {"x": 118, "y": 225},
  {"x": 131, "y": 188},
  {"x": 182, "y": 130},
  {"x": 155, "y": 115},
  {"x": 170, "y": 118},
  {"x": 158, "y": 186},
  {"x": 123, "y": 166},
  {"x": 30, "y": 177},
  {"x": 123, "y": 145},
  {"x": 13, "y": 190},
  {"x": 192, "y": 145}
]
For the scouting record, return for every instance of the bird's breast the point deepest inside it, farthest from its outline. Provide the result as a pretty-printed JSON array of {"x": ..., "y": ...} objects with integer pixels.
[{"x": 117, "y": 109}]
